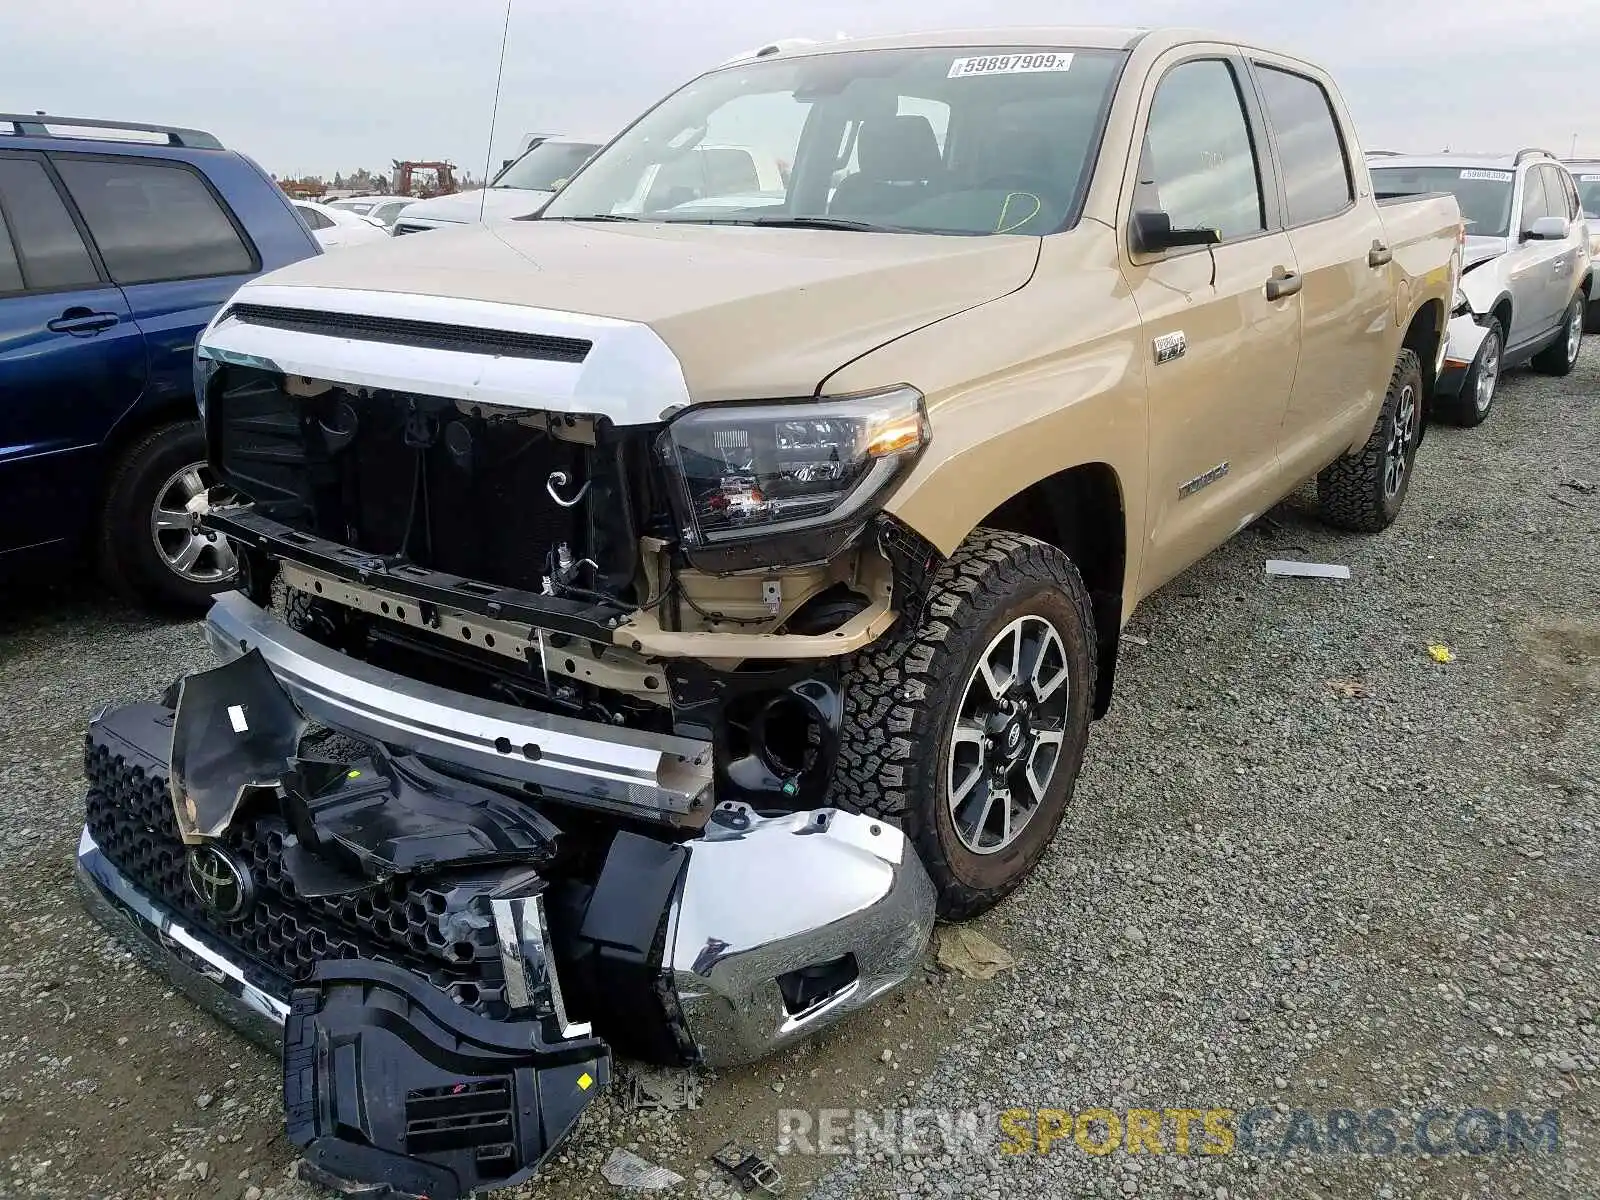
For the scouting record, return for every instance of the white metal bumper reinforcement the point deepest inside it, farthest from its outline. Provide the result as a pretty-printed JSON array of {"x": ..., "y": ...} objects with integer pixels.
[{"x": 657, "y": 777}]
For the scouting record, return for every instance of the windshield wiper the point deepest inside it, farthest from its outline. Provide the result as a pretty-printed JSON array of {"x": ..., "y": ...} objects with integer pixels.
[
  {"x": 823, "y": 223},
  {"x": 596, "y": 217}
]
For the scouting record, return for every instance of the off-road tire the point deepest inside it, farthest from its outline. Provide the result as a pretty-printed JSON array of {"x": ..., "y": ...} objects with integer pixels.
[
  {"x": 128, "y": 559},
  {"x": 1350, "y": 491},
  {"x": 902, "y": 695},
  {"x": 1462, "y": 408},
  {"x": 1556, "y": 359}
]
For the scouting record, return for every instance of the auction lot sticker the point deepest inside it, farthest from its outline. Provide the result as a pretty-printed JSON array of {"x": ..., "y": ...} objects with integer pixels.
[
  {"x": 1010, "y": 64},
  {"x": 1491, "y": 176}
]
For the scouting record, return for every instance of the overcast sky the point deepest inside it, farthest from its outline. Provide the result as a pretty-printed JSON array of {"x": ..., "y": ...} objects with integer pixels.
[{"x": 311, "y": 86}]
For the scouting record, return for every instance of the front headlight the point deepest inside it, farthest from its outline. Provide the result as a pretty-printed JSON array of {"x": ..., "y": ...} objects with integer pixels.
[
  {"x": 786, "y": 483},
  {"x": 1461, "y": 304}
]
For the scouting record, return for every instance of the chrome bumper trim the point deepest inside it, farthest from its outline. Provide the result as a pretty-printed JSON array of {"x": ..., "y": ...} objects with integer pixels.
[
  {"x": 653, "y": 776},
  {"x": 784, "y": 893},
  {"x": 160, "y": 940}
]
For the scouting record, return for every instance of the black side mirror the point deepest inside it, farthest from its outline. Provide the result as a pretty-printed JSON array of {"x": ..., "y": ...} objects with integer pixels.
[{"x": 1152, "y": 232}]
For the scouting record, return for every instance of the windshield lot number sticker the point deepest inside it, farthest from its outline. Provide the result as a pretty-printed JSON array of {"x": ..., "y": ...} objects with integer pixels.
[
  {"x": 1491, "y": 176},
  {"x": 1589, "y": 178},
  {"x": 1009, "y": 64}
]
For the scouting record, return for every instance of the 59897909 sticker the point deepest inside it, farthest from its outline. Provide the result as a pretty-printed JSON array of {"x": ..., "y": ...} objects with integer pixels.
[{"x": 1010, "y": 64}]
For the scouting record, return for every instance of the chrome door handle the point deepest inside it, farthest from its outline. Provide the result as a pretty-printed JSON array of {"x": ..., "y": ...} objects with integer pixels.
[{"x": 1281, "y": 287}]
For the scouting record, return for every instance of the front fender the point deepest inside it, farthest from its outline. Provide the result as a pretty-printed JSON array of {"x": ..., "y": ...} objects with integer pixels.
[{"x": 1022, "y": 388}]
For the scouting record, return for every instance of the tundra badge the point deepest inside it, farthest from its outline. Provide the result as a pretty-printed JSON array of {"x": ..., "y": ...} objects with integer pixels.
[{"x": 1190, "y": 487}]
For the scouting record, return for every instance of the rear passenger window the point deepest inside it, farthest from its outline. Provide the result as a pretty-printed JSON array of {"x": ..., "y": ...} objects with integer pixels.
[
  {"x": 1559, "y": 191},
  {"x": 154, "y": 220},
  {"x": 52, "y": 253},
  {"x": 1198, "y": 164},
  {"x": 1316, "y": 171},
  {"x": 10, "y": 269}
]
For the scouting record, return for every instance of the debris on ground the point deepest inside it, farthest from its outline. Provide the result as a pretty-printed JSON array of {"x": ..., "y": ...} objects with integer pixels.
[
  {"x": 625, "y": 1169},
  {"x": 968, "y": 952},
  {"x": 1307, "y": 570},
  {"x": 749, "y": 1170},
  {"x": 657, "y": 1089},
  {"x": 1441, "y": 653},
  {"x": 1582, "y": 486},
  {"x": 1135, "y": 639},
  {"x": 1351, "y": 689}
]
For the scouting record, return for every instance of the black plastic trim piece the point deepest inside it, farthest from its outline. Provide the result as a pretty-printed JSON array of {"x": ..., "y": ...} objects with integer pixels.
[
  {"x": 401, "y": 331},
  {"x": 392, "y": 1090},
  {"x": 401, "y": 578}
]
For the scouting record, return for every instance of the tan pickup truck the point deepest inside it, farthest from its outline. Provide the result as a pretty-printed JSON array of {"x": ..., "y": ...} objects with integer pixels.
[{"x": 745, "y": 565}]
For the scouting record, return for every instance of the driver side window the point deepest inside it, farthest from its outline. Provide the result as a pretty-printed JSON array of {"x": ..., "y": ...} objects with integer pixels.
[{"x": 1198, "y": 163}]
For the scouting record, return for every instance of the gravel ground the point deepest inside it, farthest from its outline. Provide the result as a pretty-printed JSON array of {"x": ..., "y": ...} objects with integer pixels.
[{"x": 1308, "y": 866}]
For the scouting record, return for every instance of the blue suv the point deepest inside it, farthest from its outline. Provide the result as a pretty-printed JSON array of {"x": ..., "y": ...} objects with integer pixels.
[{"x": 118, "y": 243}]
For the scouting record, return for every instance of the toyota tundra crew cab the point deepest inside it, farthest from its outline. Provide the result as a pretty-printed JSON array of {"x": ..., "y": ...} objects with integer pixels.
[{"x": 652, "y": 618}]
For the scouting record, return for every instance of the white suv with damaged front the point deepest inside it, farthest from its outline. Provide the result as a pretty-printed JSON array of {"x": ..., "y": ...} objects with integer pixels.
[{"x": 1527, "y": 277}]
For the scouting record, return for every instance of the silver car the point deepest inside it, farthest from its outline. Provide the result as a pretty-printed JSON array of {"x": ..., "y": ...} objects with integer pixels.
[
  {"x": 1527, "y": 273},
  {"x": 1586, "y": 173}
]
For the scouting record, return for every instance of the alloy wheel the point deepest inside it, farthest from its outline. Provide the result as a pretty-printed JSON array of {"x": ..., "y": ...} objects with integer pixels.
[
  {"x": 1488, "y": 372},
  {"x": 1008, "y": 734},
  {"x": 194, "y": 554},
  {"x": 1397, "y": 456},
  {"x": 1575, "y": 332}
]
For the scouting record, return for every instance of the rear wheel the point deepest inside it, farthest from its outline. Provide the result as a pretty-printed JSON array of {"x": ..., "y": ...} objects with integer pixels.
[
  {"x": 1471, "y": 405},
  {"x": 968, "y": 728},
  {"x": 152, "y": 549},
  {"x": 1365, "y": 491},
  {"x": 1562, "y": 354}
]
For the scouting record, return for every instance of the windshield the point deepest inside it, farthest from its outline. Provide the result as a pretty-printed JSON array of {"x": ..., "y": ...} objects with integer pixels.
[
  {"x": 1484, "y": 196},
  {"x": 1588, "y": 180},
  {"x": 540, "y": 169},
  {"x": 355, "y": 206},
  {"x": 951, "y": 140}
]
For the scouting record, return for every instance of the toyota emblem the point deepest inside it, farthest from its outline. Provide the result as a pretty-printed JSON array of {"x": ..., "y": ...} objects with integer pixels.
[{"x": 219, "y": 881}]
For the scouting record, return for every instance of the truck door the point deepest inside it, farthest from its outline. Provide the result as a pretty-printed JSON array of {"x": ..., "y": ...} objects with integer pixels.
[
  {"x": 1346, "y": 295},
  {"x": 71, "y": 358},
  {"x": 1222, "y": 323}
]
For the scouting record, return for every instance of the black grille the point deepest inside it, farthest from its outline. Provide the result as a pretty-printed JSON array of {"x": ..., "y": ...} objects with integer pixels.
[
  {"x": 432, "y": 335},
  {"x": 431, "y": 927}
]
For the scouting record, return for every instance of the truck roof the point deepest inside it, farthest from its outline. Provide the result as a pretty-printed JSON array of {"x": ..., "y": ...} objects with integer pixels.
[
  {"x": 1081, "y": 37},
  {"x": 1486, "y": 162}
]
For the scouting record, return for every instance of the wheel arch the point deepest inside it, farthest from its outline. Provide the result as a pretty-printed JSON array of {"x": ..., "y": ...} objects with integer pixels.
[
  {"x": 133, "y": 425},
  {"x": 1080, "y": 511},
  {"x": 1424, "y": 336}
]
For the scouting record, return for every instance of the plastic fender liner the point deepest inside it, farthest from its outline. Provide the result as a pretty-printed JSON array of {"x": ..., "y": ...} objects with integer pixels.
[{"x": 392, "y": 1090}]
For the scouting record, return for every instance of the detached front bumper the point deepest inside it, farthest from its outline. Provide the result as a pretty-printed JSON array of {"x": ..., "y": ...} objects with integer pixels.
[{"x": 459, "y": 961}]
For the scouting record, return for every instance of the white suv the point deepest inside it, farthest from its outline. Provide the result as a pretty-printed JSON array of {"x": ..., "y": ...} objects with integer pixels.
[{"x": 1526, "y": 271}]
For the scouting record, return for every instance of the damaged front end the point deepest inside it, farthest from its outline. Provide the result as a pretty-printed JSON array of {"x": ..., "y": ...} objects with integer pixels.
[{"x": 523, "y": 737}]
